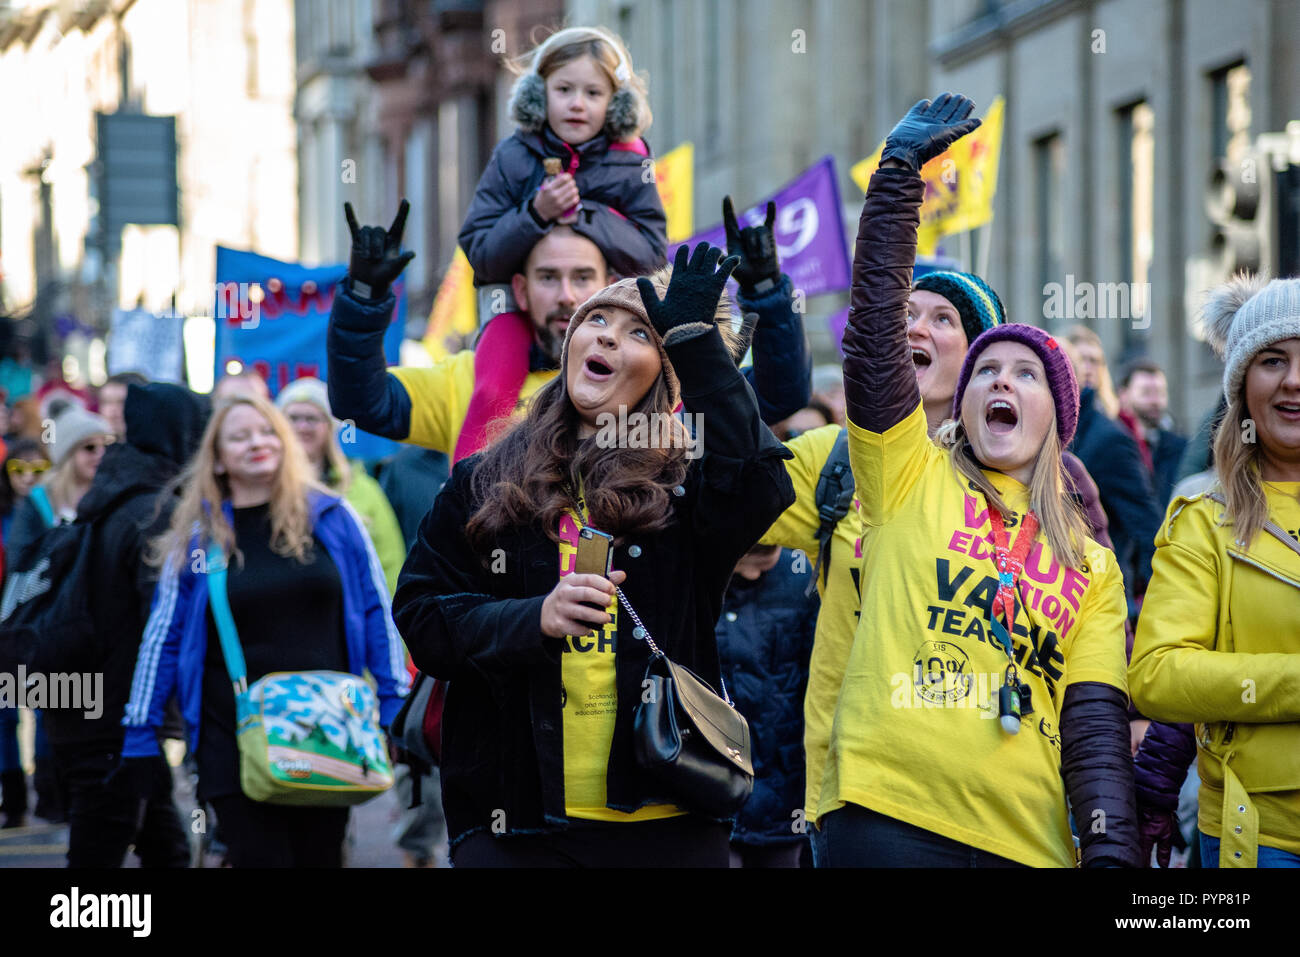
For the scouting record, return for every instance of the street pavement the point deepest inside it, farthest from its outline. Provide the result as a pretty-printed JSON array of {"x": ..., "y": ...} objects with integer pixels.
[{"x": 369, "y": 843}]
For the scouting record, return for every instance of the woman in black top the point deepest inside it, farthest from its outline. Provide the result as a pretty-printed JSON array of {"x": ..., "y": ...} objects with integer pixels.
[
  {"x": 538, "y": 760},
  {"x": 306, "y": 593}
]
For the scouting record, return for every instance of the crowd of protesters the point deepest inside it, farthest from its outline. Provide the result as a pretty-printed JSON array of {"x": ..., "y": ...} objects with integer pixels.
[{"x": 971, "y": 596}]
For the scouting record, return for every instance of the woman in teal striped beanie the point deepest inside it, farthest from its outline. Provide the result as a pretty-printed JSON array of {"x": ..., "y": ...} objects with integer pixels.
[{"x": 946, "y": 313}]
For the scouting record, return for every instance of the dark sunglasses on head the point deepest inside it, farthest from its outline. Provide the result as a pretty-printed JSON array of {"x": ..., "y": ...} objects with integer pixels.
[{"x": 94, "y": 445}]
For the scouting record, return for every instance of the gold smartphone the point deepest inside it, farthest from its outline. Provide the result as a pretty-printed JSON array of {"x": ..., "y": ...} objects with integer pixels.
[{"x": 595, "y": 553}]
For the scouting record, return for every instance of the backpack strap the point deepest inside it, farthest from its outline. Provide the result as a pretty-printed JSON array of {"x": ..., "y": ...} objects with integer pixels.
[
  {"x": 226, "y": 631},
  {"x": 1270, "y": 526},
  {"x": 41, "y": 499},
  {"x": 834, "y": 497}
]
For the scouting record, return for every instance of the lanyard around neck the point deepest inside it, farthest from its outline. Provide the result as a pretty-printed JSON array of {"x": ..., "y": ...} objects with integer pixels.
[{"x": 1010, "y": 562}]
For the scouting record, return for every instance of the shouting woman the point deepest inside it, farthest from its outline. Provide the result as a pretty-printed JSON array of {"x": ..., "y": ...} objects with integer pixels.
[
  {"x": 986, "y": 682},
  {"x": 545, "y": 665}
]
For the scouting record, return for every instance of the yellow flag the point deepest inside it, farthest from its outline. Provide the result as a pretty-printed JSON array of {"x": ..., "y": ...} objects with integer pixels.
[
  {"x": 455, "y": 307},
  {"x": 960, "y": 183},
  {"x": 675, "y": 177}
]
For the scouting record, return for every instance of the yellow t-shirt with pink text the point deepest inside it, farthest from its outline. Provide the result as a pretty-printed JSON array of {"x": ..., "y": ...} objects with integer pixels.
[
  {"x": 916, "y": 734},
  {"x": 589, "y": 693}
]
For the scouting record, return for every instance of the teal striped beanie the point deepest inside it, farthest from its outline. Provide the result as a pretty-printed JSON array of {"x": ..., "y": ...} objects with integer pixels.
[{"x": 976, "y": 302}]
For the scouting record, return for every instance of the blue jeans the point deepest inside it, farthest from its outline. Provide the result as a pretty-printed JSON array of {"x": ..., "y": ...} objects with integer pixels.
[
  {"x": 1268, "y": 856},
  {"x": 817, "y": 841}
]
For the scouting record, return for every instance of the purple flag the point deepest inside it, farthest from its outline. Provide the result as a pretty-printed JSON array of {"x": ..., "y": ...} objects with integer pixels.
[{"x": 809, "y": 229}]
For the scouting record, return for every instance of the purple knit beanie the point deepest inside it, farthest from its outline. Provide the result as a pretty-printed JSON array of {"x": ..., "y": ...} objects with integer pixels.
[{"x": 1060, "y": 374}]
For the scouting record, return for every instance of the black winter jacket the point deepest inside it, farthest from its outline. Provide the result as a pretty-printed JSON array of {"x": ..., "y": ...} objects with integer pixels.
[
  {"x": 1166, "y": 455},
  {"x": 164, "y": 424},
  {"x": 1112, "y": 457},
  {"x": 765, "y": 638},
  {"x": 412, "y": 478},
  {"x": 502, "y": 734},
  {"x": 621, "y": 210}
]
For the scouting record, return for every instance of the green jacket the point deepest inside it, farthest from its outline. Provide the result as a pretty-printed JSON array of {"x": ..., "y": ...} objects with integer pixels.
[{"x": 365, "y": 495}]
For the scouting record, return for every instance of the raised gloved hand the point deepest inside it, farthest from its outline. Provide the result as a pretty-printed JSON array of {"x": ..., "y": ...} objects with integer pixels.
[
  {"x": 759, "y": 269},
  {"x": 928, "y": 129},
  {"x": 377, "y": 258},
  {"x": 689, "y": 303}
]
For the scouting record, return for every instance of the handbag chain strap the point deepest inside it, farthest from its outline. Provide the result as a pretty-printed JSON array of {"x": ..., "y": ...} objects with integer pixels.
[
  {"x": 641, "y": 632},
  {"x": 645, "y": 636}
]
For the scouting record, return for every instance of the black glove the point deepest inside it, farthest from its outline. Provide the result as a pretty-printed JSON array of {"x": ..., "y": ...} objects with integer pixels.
[
  {"x": 759, "y": 268},
  {"x": 928, "y": 129},
  {"x": 689, "y": 304},
  {"x": 377, "y": 257}
]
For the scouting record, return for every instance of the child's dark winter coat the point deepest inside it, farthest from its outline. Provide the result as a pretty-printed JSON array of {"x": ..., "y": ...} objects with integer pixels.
[{"x": 621, "y": 211}]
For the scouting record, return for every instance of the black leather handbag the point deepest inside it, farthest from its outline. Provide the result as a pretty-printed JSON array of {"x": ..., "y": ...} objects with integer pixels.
[{"x": 694, "y": 743}]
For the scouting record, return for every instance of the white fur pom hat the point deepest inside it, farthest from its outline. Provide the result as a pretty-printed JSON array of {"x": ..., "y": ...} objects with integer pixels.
[
  {"x": 628, "y": 113},
  {"x": 1247, "y": 314}
]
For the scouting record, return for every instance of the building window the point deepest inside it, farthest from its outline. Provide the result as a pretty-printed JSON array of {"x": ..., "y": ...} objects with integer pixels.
[
  {"x": 1049, "y": 207},
  {"x": 1230, "y": 103},
  {"x": 1136, "y": 209}
]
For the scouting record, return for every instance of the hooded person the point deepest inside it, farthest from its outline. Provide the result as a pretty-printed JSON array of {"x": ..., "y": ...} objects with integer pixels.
[
  {"x": 545, "y": 667},
  {"x": 164, "y": 424},
  {"x": 1219, "y": 631}
]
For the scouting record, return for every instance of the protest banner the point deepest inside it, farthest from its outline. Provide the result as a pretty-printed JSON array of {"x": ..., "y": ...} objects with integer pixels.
[
  {"x": 273, "y": 316},
  {"x": 809, "y": 230},
  {"x": 675, "y": 178}
]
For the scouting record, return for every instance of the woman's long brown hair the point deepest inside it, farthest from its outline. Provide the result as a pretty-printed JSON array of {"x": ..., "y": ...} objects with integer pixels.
[{"x": 530, "y": 475}]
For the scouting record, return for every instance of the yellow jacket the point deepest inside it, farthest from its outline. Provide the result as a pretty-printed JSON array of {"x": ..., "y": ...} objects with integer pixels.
[
  {"x": 1216, "y": 645},
  {"x": 440, "y": 398}
]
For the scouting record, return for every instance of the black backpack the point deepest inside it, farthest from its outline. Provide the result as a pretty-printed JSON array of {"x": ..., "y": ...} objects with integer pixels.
[
  {"x": 834, "y": 498},
  {"x": 45, "y": 615}
]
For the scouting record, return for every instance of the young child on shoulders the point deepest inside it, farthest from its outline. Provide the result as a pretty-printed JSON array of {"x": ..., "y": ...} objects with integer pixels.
[{"x": 577, "y": 158}]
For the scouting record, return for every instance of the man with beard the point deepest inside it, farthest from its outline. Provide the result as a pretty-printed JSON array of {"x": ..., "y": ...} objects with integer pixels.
[
  {"x": 451, "y": 406},
  {"x": 1144, "y": 411},
  {"x": 428, "y": 406}
]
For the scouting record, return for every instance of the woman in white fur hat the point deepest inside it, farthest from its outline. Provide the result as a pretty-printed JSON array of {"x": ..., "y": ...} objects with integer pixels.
[{"x": 1219, "y": 634}]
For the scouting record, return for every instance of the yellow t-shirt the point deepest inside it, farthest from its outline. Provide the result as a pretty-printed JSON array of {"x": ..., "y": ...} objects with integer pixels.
[
  {"x": 590, "y": 703},
  {"x": 440, "y": 398},
  {"x": 840, "y": 589},
  {"x": 916, "y": 734}
]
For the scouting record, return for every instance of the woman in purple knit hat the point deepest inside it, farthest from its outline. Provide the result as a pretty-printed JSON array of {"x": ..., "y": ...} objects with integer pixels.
[{"x": 984, "y": 698}]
